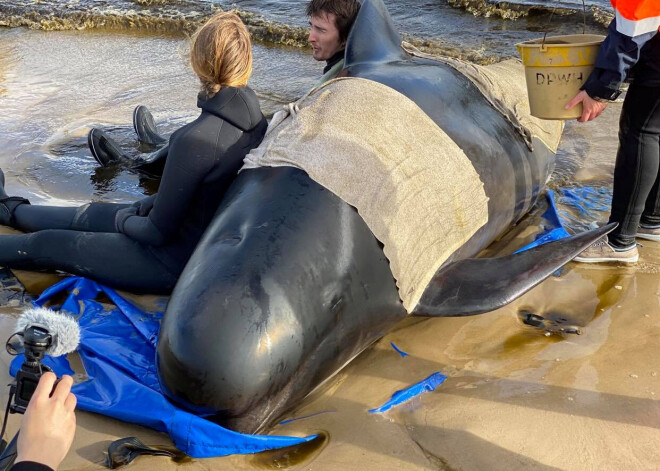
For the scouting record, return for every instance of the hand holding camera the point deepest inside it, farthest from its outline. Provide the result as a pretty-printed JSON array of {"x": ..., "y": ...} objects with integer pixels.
[{"x": 49, "y": 423}]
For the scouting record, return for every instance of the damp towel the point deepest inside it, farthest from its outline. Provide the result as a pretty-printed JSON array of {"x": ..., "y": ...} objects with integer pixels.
[{"x": 413, "y": 186}]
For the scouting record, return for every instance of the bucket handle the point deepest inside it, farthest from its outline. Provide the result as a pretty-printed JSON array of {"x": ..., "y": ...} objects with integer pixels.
[{"x": 543, "y": 47}]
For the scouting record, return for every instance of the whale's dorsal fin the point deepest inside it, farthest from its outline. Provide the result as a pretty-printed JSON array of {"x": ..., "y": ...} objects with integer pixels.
[
  {"x": 373, "y": 37},
  {"x": 478, "y": 285}
]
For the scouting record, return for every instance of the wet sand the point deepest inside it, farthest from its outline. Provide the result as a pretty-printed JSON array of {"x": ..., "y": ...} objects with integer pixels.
[{"x": 515, "y": 398}]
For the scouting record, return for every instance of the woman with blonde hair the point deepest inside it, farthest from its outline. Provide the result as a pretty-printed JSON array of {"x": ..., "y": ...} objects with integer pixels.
[{"x": 144, "y": 247}]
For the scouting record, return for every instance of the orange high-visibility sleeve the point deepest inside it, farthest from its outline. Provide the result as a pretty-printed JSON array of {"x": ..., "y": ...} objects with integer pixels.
[
  {"x": 635, "y": 17},
  {"x": 637, "y": 9}
]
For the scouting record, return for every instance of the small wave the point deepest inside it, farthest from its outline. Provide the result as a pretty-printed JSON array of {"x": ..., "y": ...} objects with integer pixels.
[
  {"x": 175, "y": 20},
  {"x": 513, "y": 11},
  {"x": 46, "y": 19},
  {"x": 272, "y": 32}
]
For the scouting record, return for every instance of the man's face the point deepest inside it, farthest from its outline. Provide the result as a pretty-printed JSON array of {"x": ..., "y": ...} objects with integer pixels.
[{"x": 324, "y": 36}]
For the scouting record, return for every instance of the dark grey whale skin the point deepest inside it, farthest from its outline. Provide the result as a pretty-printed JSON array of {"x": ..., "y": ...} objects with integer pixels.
[{"x": 289, "y": 284}]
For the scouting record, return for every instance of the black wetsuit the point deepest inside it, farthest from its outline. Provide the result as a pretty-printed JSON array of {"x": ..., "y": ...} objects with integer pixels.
[
  {"x": 30, "y": 466},
  {"x": 144, "y": 247},
  {"x": 330, "y": 63},
  {"x": 153, "y": 163}
]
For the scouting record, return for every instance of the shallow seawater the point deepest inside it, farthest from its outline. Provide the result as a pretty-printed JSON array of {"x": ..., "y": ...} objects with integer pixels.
[{"x": 48, "y": 109}]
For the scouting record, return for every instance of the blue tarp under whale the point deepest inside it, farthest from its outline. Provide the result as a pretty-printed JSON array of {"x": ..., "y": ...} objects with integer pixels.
[
  {"x": 118, "y": 348},
  {"x": 576, "y": 208}
]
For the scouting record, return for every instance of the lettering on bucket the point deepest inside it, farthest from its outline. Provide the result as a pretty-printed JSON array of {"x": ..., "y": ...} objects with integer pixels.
[{"x": 564, "y": 78}]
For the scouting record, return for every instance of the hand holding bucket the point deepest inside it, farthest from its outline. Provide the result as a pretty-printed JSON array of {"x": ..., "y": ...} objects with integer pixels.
[
  {"x": 555, "y": 69},
  {"x": 591, "y": 108}
]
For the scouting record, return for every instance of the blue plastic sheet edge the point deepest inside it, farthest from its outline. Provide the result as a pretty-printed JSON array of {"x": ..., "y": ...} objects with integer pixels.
[
  {"x": 398, "y": 350},
  {"x": 556, "y": 230},
  {"x": 403, "y": 395},
  {"x": 118, "y": 351},
  {"x": 587, "y": 201}
]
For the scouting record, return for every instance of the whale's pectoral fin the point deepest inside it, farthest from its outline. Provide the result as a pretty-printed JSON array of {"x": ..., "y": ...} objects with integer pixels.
[{"x": 478, "y": 285}]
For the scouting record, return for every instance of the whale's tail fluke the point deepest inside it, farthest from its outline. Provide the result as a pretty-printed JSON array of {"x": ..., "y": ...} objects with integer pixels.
[{"x": 477, "y": 285}]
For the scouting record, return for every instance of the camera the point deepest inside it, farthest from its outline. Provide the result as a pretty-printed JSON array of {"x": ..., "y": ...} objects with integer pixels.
[
  {"x": 36, "y": 339},
  {"x": 40, "y": 332}
]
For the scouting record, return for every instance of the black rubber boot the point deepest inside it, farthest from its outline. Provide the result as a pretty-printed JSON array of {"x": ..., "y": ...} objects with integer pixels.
[
  {"x": 145, "y": 127},
  {"x": 107, "y": 153},
  {"x": 104, "y": 149},
  {"x": 8, "y": 204}
]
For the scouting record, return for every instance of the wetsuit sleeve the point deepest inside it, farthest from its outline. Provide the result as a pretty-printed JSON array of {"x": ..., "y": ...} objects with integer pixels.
[
  {"x": 616, "y": 56},
  {"x": 30, "y": 466},
  {"x": 190, "y": 159}
]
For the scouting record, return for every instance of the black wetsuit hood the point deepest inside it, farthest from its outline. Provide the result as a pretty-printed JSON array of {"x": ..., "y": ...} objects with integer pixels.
[
  {"x": 237, "y": 106},
  {"x": 204, "y": 158},
  {"x": 330, "y": 63}
]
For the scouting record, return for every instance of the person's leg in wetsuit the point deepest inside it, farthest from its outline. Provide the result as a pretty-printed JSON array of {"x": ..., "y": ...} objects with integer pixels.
[
  {"x": 107, "y": 152},
  {"x": 91, "y": 217},
  {"x": 112, "y": 259},
  {"x": 636, "y": 197},
  {"x": 82, "y": 241}
]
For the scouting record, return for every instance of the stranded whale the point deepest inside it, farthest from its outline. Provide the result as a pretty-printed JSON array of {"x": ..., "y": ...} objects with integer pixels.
[{"x": 289, "y": 283}]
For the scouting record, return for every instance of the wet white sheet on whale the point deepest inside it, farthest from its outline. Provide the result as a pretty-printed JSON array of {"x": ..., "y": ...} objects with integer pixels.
[{"x": 378, "y": 151}]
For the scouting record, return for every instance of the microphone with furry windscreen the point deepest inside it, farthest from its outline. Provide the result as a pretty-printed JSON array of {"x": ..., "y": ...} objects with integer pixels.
[
  {"x": 40, "y": 331},
  {"x": 64, "y": 330}
]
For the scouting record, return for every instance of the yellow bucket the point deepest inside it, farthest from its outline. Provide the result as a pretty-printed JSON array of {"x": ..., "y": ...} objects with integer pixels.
[{"x": 555, "y": 69}]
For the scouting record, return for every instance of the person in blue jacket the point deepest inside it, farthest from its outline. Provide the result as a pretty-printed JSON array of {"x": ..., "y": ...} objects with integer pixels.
[
  {"x": 631, "y": 49},
  {"x": 144, "y": 247}
]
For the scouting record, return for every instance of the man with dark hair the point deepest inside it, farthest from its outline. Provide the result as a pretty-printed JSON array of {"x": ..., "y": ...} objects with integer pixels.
[{"x": 330, "y": 21}]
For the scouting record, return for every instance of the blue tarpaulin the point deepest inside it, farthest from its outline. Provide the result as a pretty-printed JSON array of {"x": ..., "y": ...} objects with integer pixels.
[
  {"x": 553, "y": 230},
  {"x": 580, "y": 209},
  {"x": 403, "y": 395},
  {"x": 118, "y": 349}
]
